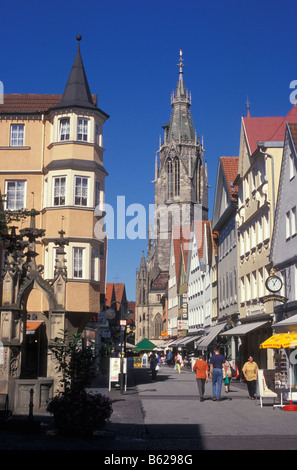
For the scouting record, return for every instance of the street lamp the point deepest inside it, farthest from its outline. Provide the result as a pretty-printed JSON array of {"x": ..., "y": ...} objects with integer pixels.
[{"x": 110, "y": 314}]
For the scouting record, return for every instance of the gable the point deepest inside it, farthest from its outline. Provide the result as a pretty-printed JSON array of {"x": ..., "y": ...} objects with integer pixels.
[
  {"x": 225, "y": 191},
  {"x": 282, "y": 247}
]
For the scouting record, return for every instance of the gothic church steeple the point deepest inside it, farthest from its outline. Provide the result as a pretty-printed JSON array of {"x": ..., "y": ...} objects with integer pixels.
[
  {"x": 181, "y": 176},
  {"x": 181, "y": 127}
]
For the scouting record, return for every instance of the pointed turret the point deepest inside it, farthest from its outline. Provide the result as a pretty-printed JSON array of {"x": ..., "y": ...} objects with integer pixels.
[
  {"x": 181, "y": 127},
  {"x": 77, "y": 91}
]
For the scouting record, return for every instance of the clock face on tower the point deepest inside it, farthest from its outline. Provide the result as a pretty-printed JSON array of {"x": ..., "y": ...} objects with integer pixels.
[{"x": 274, "y": 283}]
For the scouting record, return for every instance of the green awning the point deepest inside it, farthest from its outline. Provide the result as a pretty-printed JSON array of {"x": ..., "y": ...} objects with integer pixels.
[{"x": 145, "y": 345}]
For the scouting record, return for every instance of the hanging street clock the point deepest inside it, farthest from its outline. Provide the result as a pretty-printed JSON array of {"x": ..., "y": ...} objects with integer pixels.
[{"x": 274, "y": 283}]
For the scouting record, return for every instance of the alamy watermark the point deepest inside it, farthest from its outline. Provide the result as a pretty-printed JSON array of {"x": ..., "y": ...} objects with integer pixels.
[
  {"x": 293, "y": 94},
  {"x": 136, "y": 222}
]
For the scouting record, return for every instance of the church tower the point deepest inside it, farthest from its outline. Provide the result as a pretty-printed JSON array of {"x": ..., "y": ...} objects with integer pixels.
[
  {"x": 180, "y": 197},
  {"x": 180, "y": 174}
]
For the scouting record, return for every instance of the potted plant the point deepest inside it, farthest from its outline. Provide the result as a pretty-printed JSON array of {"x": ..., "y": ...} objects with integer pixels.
[{"x": 75, "y": 411}]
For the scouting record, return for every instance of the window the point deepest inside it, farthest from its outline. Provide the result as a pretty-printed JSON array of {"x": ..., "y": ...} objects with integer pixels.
[
  {"x": 97, "y": 193},
  {"x": 15, "y": 195},
  {"x": 81, "y": 191},
  {"x": 59, "y": 191},
  {"x": 78, "y": 263},
  {"x": 291, "y": 223},
  {"x": 288, "y": 225},
  {"x": 95, "y": 265},
  {"x": 82, "y": 129},
  {"x": 169, "y": 179},
  {"x": 17, "y": 134},
  {"x": 176, "y": 176},
  {"x": 64, "y": 130},
  {"x": 242, "y": 290},
  {"x": 261, "y": 282},
  {"x": 98, "y": 134}
]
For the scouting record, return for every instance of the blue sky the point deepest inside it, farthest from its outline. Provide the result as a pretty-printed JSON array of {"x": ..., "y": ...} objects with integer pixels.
[{"x": 231, "y": 50}]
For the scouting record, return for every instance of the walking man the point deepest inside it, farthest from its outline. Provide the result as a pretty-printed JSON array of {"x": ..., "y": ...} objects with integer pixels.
[
  {"x": 217, "y": 361},
  {"x": 201, "y": 368}
]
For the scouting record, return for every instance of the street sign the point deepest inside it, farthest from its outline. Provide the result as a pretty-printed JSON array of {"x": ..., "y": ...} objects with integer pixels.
[{"x": 123, "y": 322}]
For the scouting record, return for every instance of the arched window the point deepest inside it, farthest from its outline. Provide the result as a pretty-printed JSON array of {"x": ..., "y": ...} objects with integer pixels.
[
  {"x": 176, "y": 177},
  {"x": 169, "y": 179},
  {"x": 158, "y": 325}
]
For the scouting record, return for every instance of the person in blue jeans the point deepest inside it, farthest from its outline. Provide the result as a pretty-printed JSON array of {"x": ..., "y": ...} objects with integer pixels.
[{"x": 217, "y": 362}]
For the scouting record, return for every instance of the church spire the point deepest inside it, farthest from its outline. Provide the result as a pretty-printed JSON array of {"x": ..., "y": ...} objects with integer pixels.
[
  {"x": 181, "y": 127},
  {"x": 77, "y": 91}
]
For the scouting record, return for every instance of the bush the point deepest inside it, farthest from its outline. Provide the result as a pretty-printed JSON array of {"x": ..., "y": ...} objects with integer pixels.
[
  {"x": 77, "y": 412},
  {"x": 80, "y": 413}
]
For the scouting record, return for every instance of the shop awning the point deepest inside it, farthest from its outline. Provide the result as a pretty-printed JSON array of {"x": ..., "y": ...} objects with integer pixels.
[
  {"x": 32, "y": 326},
  {"x": 178, "y": 341},
  {"x": 189, "y": 339},
  {"x": 145, "y": 345},
  {"x": 280, "y": 340},
  {"x": 167, "y": 343},
  {"x": 291, "y": 321},
  {"x": 243, "y": 330},
  {"x": 212, "y": 333}
]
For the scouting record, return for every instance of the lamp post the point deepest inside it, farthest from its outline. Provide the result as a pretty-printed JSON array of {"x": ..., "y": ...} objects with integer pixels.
[{"x": 110, "y": 313}]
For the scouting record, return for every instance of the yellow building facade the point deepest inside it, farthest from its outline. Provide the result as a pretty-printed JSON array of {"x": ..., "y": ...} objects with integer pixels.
[{"x": 51, "y": 160}]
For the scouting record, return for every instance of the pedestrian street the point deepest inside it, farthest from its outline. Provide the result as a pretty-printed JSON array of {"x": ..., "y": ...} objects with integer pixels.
[{"x": 172, "y": 405}]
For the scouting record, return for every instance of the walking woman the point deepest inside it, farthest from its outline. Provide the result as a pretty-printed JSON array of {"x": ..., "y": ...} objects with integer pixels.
[{"x": 250, "y": 371}]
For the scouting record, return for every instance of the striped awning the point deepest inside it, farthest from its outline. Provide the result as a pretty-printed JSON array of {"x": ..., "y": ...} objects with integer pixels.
[
  {"x": 244, "y": 329},
  {"x": 212, "y": 333}
]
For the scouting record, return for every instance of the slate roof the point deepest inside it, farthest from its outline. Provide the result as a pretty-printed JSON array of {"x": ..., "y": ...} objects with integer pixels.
[
  {"x": 161, "y": 281},
  {"x": 77, "y": 90},
  {"x": 76, "y": 94}
]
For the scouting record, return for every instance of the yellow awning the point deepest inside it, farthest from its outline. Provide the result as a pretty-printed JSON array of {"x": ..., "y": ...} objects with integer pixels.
[{"x": 280, "y": 340}]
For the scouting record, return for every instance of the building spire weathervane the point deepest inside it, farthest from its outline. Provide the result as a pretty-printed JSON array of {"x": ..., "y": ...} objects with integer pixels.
[
  {"x": 180, "y": 64},
  {"x": 248, "y": 107}
]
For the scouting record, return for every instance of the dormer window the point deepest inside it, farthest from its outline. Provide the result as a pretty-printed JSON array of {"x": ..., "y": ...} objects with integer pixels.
[
  {"x": 82, "y": 129},
  {"x": 64, "y": 129}
]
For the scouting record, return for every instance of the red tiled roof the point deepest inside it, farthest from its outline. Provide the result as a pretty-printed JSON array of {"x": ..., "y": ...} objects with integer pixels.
[
  {"x": 30, "y": 103},
  {"x": 267, "y": 128},
  {"x": 230, "y": 168},
  {"x": 181, "y": 241},
  {"x": 109, "y": 294},
  {"x": 119, "y": 290},
  {"x": 199, "y": 232}
]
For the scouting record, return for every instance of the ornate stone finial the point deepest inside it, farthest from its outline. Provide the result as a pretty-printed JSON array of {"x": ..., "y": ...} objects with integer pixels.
[
  {"x": 180, "y": 62},
  {"x": 78, "y": 37}
]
